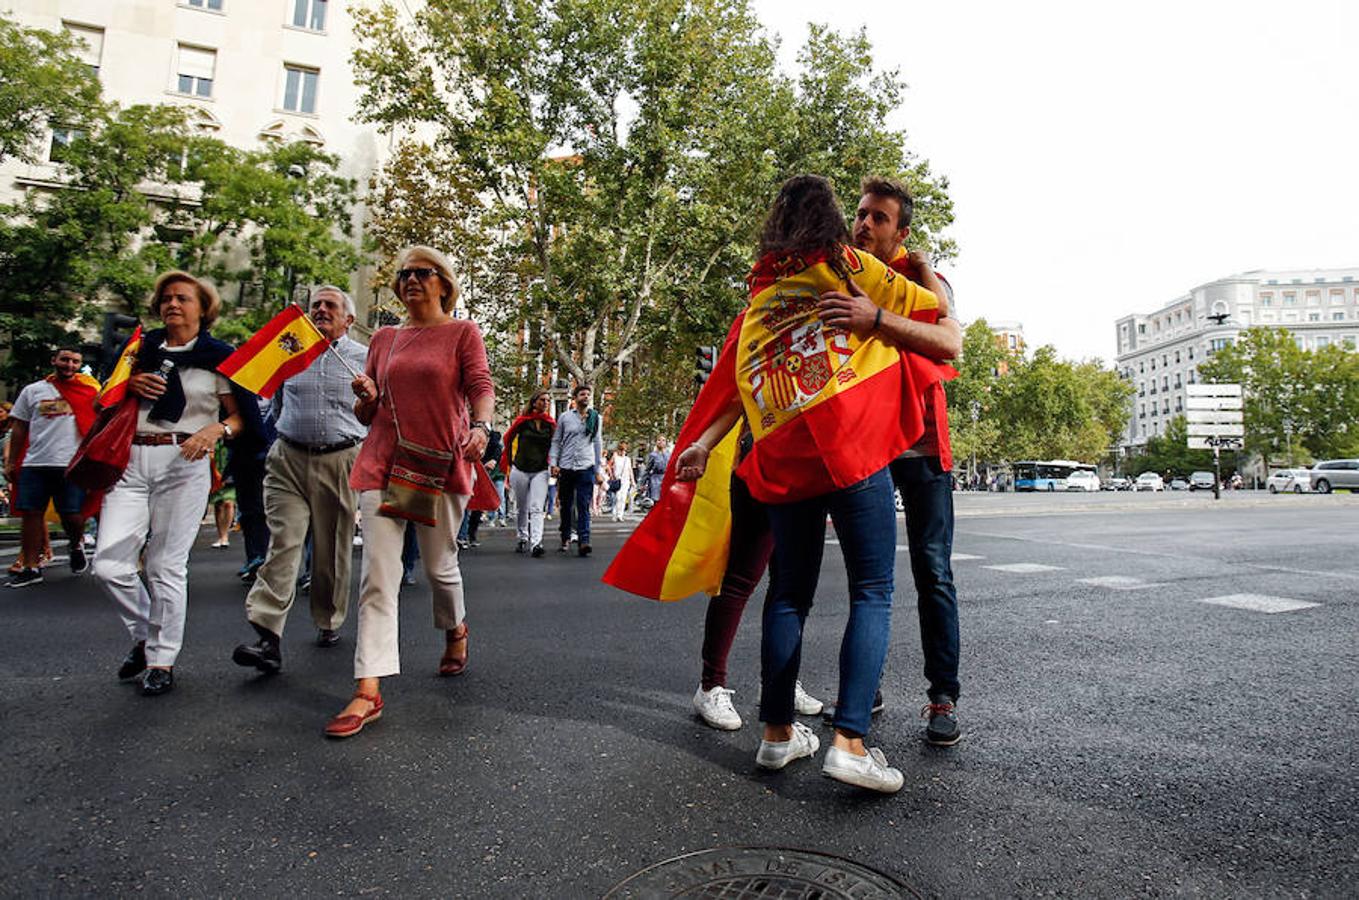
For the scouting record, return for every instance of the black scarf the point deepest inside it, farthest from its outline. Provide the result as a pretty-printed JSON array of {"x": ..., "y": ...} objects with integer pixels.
[{"x": 206, "y": 353}]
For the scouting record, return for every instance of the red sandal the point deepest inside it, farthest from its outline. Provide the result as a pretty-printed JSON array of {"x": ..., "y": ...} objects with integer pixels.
[
  {"x": 450, "y": 664},
  {"x": 350, "y": 725}
]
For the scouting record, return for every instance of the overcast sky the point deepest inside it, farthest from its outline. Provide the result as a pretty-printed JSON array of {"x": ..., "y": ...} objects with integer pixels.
[{"x": 1106, "y": 158}]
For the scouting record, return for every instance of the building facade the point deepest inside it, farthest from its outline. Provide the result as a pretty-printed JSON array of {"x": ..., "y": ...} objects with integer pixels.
[
  {"x": 1160, "y": 352},
  {"x": 249, "y": 71}
]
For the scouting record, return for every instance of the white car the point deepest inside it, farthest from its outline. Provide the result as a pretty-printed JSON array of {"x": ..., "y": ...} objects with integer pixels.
[
  {"x": 1082, "y": 480},
  {"x": 1289, "y": 481},
  {"x": 1149, "y": 481}
]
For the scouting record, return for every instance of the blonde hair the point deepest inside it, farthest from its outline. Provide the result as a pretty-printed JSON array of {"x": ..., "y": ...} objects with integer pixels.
[
  {"x": 440, "y": 264},
  {"x": 208, "y": 300}
]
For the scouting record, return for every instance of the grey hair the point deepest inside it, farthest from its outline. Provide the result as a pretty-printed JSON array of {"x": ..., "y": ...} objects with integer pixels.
[{"x": 332, "y": 289}]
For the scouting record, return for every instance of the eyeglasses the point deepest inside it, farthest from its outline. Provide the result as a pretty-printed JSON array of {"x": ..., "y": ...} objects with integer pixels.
[{"x": 422, "y": 273}]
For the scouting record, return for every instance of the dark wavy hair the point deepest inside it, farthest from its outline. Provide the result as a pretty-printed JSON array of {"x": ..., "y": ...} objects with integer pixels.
[
  {"x": 805, "y": 217},
  {"x": 533, "y": 398}
]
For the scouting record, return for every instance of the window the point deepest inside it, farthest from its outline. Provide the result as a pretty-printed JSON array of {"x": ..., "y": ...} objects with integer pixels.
[
  {"x": 1166, "y": 406},
  {"x": 1191, "y": 352},
  {"x": 93, "y": 40},
  {"x": 1266, "y": 299},
  {"x": 1266, "y": 317},
  {"x": 1142, "y": 368},
  {"x": 1351, "y": 342},
  {"x": 1142, "y": 411},
  {"x": 1178, "y": 383},
  {"x": 215, "y": 5},
  {"x": 1193, "y": 377},
  {"x": 1290, "y": 298},
  {"x": 1313, "y": 317},
  {"x": 1314, "y": 298},
  {"x": 299, "y": 89},
  {"x": 1165, "y": 383},
  {"x": 1177, "y": 357},
  {"x": 1217, "y": 344},
  {"x": 1337, "y": 298},
  {"x": 1338, "y": 316},
  {"x": 1323, "y": 341},
  {"x": 310, "y": 14},
  {"x": 1141, "y": 389},
  {"x": 1141, "y": 327},
  {"x": 1290, "y": 317},
  {"x": 195, "y": 70},
  {"x": 62, "y": 137}
]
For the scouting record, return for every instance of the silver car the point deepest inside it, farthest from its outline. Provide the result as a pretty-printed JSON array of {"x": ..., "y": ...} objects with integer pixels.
[{"x": 1335, "y": 473}]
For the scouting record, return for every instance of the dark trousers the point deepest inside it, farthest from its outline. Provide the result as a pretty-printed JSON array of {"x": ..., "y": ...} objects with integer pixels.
[
  {"x": 751, "y": 544},
  {"x": 577, "y": 490},
  {"x": 927, "y": 493},
  {"x": 247, "y": 472}
]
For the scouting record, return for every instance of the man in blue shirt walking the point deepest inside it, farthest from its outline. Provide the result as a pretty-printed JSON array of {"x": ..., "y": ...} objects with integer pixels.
[{"x": 576, "y": 458}]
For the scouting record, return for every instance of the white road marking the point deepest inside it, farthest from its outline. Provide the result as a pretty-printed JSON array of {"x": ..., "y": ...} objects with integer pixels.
[
  {"x": 1025, "y": 568},
  {"x": 1120, "y": 582},
  {"x": 964, "y": 557},
  {"x": 1164, "y": 555},
  {"x": 1258, "y": 603}
]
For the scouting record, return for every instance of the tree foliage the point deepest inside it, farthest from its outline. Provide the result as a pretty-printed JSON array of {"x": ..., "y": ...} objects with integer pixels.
[
  {"x": 1168, "y": 454},
  {"x": 41, "y": 81},
  {"x": 613, "y": 160},
  {"x": 1298, "y": 403}
]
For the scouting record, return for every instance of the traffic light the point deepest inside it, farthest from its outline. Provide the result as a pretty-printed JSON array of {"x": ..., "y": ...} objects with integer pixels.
[
  {"x": 704, "y": 359},
  {"x": 117, "y": 329}
]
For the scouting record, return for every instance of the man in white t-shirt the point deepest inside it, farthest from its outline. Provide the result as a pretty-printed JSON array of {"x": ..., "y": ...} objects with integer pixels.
[{"x": 49, "y": 418}]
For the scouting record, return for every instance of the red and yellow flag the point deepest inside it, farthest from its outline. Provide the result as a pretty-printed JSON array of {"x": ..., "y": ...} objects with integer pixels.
[
  {"x": 115, "y": 389},
  {"x": 285, "y": 346}
]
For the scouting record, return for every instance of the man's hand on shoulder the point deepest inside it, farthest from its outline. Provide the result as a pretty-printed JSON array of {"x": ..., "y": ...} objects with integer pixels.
[{"x": 852, "y": 312}]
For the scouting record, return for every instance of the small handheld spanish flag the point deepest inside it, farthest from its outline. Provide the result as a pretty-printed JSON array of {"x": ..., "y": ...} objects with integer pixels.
[
  {"x": 285, "y": 346},
  {"x": 115, "y": 389}
]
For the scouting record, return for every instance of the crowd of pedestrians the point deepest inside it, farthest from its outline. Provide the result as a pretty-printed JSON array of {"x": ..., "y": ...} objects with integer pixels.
[{"x": 399, "y": 437}]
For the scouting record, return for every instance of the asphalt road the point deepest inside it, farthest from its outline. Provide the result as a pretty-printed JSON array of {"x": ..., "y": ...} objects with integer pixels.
[{"x": 1135, "y": 735}]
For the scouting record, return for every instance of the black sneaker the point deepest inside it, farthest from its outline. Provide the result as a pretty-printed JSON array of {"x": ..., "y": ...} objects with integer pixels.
[
  {"x": 79, "y": 561},
  {"x": 25, "y": 578},
  {"x": 828, "y": 711},
  {"x": 584, "y": 550},
  {"x": 327, "y": 637},
  {"x": 134, "y": 663},
  {"x": 537, "y": 551},
  {"x": 943, "y": 729},
  {"x": 521, "y": 547}
]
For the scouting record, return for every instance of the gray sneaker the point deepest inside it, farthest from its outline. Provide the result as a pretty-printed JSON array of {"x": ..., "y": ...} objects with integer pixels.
[
  {"x": 777, "y": 754},
  {"x": 868, "y": 771},
  {"x": 943, "y": 729}
]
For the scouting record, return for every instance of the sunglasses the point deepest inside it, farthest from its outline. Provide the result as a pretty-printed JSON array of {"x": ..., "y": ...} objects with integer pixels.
[{"x": 421, "y": 273}]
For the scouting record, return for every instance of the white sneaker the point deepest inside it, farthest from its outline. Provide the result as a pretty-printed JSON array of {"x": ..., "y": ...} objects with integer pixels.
[
  {"x": 869, "y": 771},
  {"x": 714, "y": 707},
  {"x": 805, "y": 703},
  {"x": 777, "y": 754}
]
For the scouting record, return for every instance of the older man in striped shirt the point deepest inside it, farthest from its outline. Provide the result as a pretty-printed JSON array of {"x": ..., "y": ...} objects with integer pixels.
[{"x": 306, "y": 486}]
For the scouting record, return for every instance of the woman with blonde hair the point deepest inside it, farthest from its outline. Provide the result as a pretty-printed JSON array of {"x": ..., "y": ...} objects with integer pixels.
[
  {"x": 427, "y": 398},
  {"x": 160, "y": 498}
]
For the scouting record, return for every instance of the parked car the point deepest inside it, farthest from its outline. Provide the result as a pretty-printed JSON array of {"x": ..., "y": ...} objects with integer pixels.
[
  {"x": 1082, "y": 480},
  {"x": 1179, "y": 484},
  {"x": 1201, "y": 481},
  {"x": 1289, "y": 481},
  {"x": 1117, "y": 483},
  {"x": 1335, "y": 473},
  {"x": 1149, "y": 481}
]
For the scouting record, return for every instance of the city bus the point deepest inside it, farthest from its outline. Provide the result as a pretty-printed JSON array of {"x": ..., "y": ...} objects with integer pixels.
[{"x": 1045, "y": 475}]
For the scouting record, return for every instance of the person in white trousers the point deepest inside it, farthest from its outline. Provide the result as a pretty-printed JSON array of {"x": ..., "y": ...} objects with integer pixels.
[
  {"x": 164, "y": 489},
  {"x": 622, "y": 472},
  {"x": 527, "y": 442}
]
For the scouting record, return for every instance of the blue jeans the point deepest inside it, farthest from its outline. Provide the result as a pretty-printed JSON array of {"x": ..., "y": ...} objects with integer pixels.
[
  {"x": 577, "y": 488},
  {"x": 927, "y": 493},
  {"x": 866, "y": 522}
]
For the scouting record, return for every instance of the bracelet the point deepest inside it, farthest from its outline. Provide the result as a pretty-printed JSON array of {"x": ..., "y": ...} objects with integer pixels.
[
  {"x": 877, "y": 320},
  {"x": 227, "y": 429}
]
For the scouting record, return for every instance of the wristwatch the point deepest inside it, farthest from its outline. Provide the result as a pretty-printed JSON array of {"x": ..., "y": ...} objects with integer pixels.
[
  {"x": 484, "y": 426},
  {"x": 227, "y": 429}
]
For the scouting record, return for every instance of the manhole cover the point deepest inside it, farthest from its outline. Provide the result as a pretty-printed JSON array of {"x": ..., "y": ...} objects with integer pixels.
[{"x": 760, "y": 873}]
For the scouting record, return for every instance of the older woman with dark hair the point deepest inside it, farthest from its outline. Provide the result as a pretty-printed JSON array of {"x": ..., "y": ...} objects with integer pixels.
[
  {"x": 422, "y": 380},
  {"x": 828, "y": 410},
  {"x": 160, "y": 498}
]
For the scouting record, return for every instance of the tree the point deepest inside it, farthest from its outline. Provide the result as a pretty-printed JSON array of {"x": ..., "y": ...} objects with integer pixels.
[
  {"x": 974, "y": 433},
  {"x": 1169, "y": 453},
  {"x": 1054, "y": 409},
  {"x": 42, "y": 81},
  {"x": 623, "y": 154},
  {"x": 1298, "y": 403}
]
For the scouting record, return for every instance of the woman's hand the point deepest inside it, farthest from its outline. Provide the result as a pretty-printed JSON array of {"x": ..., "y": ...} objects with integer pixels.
[
  {"x": 692, "y": 463},
  {"x": 202, "y": 442},
  {"x": 147, "y": 384},
  {"x": 474, "y": 445},
  {"x": 364, "y": 388}
]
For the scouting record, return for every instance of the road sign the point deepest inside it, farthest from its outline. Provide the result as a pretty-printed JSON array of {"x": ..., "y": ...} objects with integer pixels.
[
  {"x": 1215, "y": 443},
  {"x": 1212, "y": 403},
  {"x": 1212, "y": 390},
  {"x": 1213, "y": 416},
  {"x": 1216, "y": 431}
]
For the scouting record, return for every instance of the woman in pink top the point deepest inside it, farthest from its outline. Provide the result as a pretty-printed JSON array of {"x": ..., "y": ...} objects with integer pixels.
[{"x": 430, "y": 370}]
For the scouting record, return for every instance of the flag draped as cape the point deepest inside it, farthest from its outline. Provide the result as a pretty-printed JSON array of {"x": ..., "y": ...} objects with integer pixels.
[{"x": 826, "y": 409}]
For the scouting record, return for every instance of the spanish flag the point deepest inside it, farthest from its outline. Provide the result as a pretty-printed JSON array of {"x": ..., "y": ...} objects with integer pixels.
[
  {"x": 115, "y": 389},
  {"x": 826, "y": 409},
  {"x": 285, "y": 346}
]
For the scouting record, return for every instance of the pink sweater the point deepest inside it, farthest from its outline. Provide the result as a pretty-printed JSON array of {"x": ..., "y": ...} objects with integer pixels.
[{"x": 430, "y": 374}]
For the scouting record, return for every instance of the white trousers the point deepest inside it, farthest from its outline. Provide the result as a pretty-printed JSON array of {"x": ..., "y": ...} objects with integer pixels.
[
  {"x": 530, "y": 496},
  {"x": 622, "y": 501},
  {"x": 163, "y": 495},
  {"x": 377, "y": 654}
]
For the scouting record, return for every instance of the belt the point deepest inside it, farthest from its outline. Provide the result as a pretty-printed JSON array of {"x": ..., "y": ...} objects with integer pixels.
[
  {"x": 160, "y": 438},
  {"x": 321, "y": 450}
]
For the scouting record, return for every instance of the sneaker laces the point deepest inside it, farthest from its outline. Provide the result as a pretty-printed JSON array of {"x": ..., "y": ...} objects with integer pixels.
[
  {"x": 877, "y": 756},
  {"x": 929, "y": 710}
]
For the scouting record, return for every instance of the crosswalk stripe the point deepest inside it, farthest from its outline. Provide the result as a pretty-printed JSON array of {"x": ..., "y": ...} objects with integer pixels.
[
  {"x": 1121, "y": 582},
  {"x": 964, "y": 557},
  {"x": 1025, "y": 568},
  {"x": 1258, "y": 603}
]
